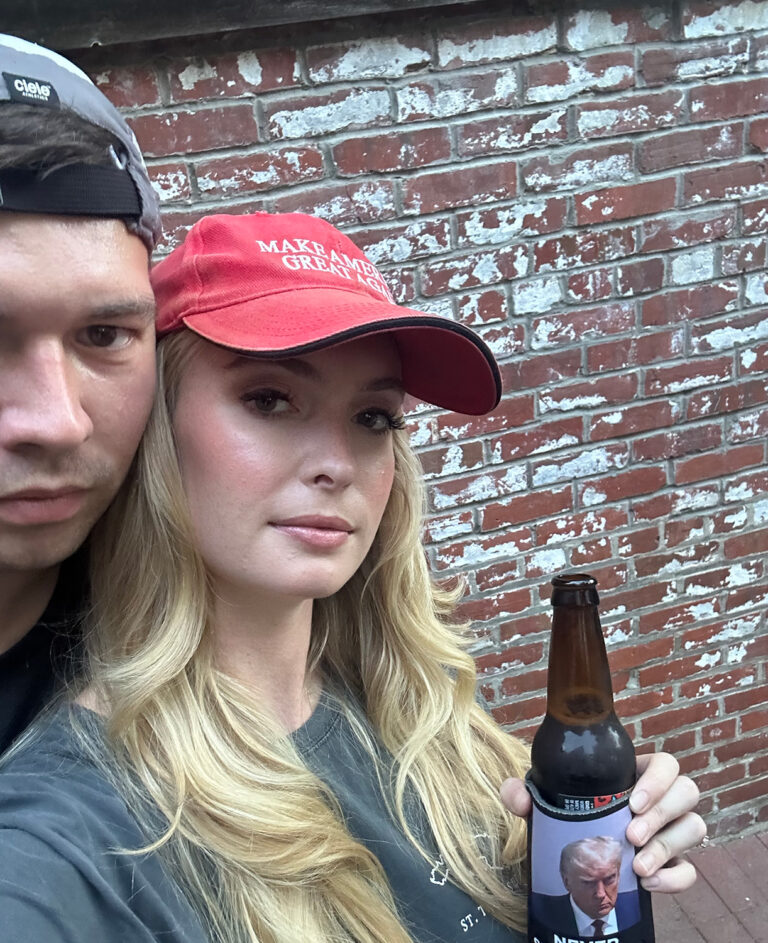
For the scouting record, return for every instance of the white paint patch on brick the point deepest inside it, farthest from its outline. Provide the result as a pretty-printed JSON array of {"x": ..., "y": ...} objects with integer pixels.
[
  {"x": 739, "y": 575},
  {"x": 736, "y": 520},
  {"x": 592, "y": 462},
  {"x": 416, "y": 239},
  {"x": 170, "y": 186},
  {"x": 748, "y": 358},
  {"x": 616, "y": 611},
  {"x": 506, "y": 85},
  {"x": 420, "y": 432},
  {"x": 549, "y": 561},
  {"x": 442, "y": 307},
  {"x": 709, "y": 660},
  {"x": 695, "y": 500},
  {"x": 450, "y": 528},
  {"x": 482, "y": 488},
  {"x": 537, "y": 297},
  {"x": 580, "y": 79},
  {"x": 704, "y": 690},
  {"x": 371, "y": 59},
  {"x": 359, "y": 107},
  {"x": 548, "y": 404},
  {"x": 756, "y": 291},
  {"x": 616, "y": 635},
  {"x": 444, "y": 104},
  {"x": 760, "y": 511},
  {"x": 592, "y": 28},
  {"x": 698, "y": 265},
  {"x": 497, "y": 48},
  {"x": 552, "y": 445},
  {"x": 197, "y": 71},
  {"x": 713, "y": 65},
  {"x": 726, "y": 338},
  {"x": 475, "y": 554},
  {"x": 740, "y": 492},
  {"x": 593, "y": 496},
  {"x": 735, "y": 628},
  {"x": 506, "y": 224},
  {"x": 690, "y": 383},
  {"x": 736, "y": 654},
  {"x": 729, "y": 18},
  {"x": 584, "y": 172},
  {"x": 249, "y": 66}
]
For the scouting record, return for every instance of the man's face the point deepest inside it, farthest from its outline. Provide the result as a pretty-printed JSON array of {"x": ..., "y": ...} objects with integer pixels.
[
  {"x": 77, "y": 375},
  {"x": 594, "y": 888}
]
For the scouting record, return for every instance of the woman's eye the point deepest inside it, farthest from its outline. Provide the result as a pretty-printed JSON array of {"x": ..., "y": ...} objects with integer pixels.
[
  {"x": 379, "y": 420},
  {"x": 268, "y": 401}
]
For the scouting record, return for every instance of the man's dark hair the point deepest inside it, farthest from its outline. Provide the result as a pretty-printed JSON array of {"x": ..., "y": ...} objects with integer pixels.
[{"x": 35, "y": 138}]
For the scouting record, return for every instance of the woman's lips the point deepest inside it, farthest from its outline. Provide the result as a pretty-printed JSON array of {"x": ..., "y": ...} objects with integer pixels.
[{"x": 316, "y": 530}]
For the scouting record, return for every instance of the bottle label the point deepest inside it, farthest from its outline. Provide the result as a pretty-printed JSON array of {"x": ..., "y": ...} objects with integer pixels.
[
  {"x": 582, "y": 886},
  {"x": 588, "y": 803}
]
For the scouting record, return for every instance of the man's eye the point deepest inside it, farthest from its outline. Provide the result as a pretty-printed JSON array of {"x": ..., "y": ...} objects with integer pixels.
[{"x": 106, "y": 336}]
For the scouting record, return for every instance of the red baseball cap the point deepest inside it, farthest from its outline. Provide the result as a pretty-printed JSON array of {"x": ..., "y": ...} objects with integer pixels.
[{"x": 279, "y": 285}]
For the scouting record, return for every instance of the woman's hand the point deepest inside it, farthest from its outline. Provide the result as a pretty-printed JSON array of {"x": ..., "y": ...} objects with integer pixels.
[{"x": 664, "y": 824}]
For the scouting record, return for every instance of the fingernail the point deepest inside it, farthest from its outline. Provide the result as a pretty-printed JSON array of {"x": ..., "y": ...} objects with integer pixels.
[
  {"x": 645, "y": 861},
  {"x": 650, "y": 884},
  {"x": 640, "y": 831},
  {"x": 638, "y": 800}
]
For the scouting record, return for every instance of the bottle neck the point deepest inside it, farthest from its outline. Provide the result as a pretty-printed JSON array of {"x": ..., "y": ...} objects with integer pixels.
[{"x": 579, "y": 690}]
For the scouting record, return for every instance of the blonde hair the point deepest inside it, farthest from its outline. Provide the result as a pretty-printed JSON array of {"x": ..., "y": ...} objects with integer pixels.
[{"x": 253, "y": 837}]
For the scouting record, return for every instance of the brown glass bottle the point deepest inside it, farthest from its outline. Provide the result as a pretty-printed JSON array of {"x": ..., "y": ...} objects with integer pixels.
[{"x": 581, "y": 755}]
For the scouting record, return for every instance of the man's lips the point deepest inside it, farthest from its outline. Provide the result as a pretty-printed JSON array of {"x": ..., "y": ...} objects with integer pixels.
[
  {"x": 315, "y": 530},
  {"x": 42, "y": 505}
]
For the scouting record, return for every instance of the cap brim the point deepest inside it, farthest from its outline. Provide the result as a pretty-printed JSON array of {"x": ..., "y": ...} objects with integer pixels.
[{"x": 443, "y": 362}]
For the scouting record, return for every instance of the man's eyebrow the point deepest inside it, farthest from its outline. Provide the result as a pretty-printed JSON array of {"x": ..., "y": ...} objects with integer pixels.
[{"x": 143, "y": 307}]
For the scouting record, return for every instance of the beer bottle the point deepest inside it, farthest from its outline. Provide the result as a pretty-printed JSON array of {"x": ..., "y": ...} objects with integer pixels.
[
  {"x": 581, "y": 755},
  {"x": 582, "y": 886}
]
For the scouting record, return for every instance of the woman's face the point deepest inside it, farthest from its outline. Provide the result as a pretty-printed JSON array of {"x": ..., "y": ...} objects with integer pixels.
[{"x": 287, "y": 464}]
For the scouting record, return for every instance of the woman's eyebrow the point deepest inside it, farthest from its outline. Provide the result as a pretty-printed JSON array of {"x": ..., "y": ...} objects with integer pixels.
[{"x": 303, "y": 369}]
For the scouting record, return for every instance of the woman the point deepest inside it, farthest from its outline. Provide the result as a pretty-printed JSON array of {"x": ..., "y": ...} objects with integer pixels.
[{"x": 279, "y": 738}]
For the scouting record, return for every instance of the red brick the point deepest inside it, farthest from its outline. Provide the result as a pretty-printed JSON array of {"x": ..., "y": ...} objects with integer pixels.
[
  {"x": 575, "y": 326},
  {"x": 583, "y": 248},
  {"x": 380, "y": 57},
  {"x": 227, "y": 176},
  {"x": 392, "y": 151},
  {"x": 176, "y": 224},
  {"x": 633, "y": 656},
  {"x": 660, "y": 381},
  {"x": 590, "y": 286},
  {"x": 460, "y": 186},
  {"x": 748, "y": 426},
  {"x": 664, "y": 721},
  {"x": 513, "y": 411},
  {"x": 721, "y": 101},
  {"x": 721, "y": 578},
  {"x": 545, "y": 369},
  {"x": 567, "y": 78},
  {"x": 473, "y": 40},
  {"x": 663, "y": 65},
  {"x": 233, "y": 75},
  {"x": 668, "y": 564},
  {"x": 544, "y": 562},
  {"x": 639, "y": 278},
  {"x": 672, "y": 618},
  {"x": 469, "y": 270},
  {"x": 482, "y": 307},
  {"x": 727, "y": 399},
  {"x": 525, "y": 626},
  {"x": 758, "y": 135},
  {"x": 520, "y": 710},
  {"x": 585, "y": 28},
  {"x": 743, "y": 257},
  {"x": 472, "y": 488},
  {"x": 630, "y": 115},
  {"x": 679, "y": 743},
  {"x": 505, "y": 340},
  {"x": 350, "y": 203},
  {"x": 170, "y": 181},
  {"x": 529, "y": 682},
  {"x": 746, "y": 545},
  {"x": 580, "y": 168},
  {"x": 689, "y": 304},
  {"x": 632, "y": 419},
  {"x": 578, "y": 526},
  {"x": 180, "y": 132},
  {"x": 574, "y": 465},
  {"x": 721, "y": 777},
  {"x": 729, "y": 521},
  {"x": 458, "y": 458},
  {"x": 752, "y": 720},
  {"x": 746, "y": 598},
  {"x": 638, "y": 199},
  {"x": 629, "y": 484},
  {"x": 593, "y": 393},
  {"x": 400, "y": 242},
  {"x": 673, "y": 233},
  {"x": 129, "y": 87},
  {"x": 513, "y": 132},
  {"x": 448, "y": 525},
  {"x": 634, "y": 704},
  {"x": 680, "y": 148},
  {"x": 640, "y": 540},
  {"x": 718, "y": 464},
  {"x": 528, "y": 507},
  {"x": 754, "y": 360},
  {"x": 676, "y": 502},
  {"x": 313, "y": 114},
  {"x": 717, "y": 684},
  {"x": 543, "y": 437},
  {"x": 491, "y": 226},
  {"x": 694, "y": 763},
  {"x": 734, "y": 181},
  {"x": 477, "y": 550},
  {"x": 754, "y": 217},
  {"x": 452, "y": 94},
  {"x": 726, "y": 333},
  {"x": 497, "y": 576},
  {"x": 754, "y": 789},
  {"x": 746, "y": 486},
  {"x": 689, "y": 528},
  {"x": 591, "y": 551},
  {"x": 515, "y": 656},
  {"x": 680, "y": 441},
  {"x": 718, "y": 733}
]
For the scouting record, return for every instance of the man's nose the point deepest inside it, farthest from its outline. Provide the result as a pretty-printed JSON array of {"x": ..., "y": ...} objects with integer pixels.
[{"x": 41, "y": 401}]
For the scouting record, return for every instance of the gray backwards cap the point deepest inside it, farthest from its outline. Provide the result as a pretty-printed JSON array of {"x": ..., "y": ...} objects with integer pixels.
[{"x": 33, "y": 75}]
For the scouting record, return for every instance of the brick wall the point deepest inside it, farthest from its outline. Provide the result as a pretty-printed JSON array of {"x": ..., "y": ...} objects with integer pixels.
[{"x": 589, "y": 191}]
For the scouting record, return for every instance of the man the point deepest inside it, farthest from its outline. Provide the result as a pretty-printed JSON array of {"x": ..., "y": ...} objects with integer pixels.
[
  {"x": 78, "y": 219},
  {"x": 593, "y": 907}
]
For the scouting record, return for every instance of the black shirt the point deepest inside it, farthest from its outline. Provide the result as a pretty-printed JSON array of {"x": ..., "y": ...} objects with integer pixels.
[{"x": 33, "y": 669}]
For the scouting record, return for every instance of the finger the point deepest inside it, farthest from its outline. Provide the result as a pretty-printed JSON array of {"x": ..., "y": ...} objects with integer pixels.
[
  {"x": 678, "y": 876},
  {"x": 678, "y": 800},
  {"x": 515, "y": 797},
  {"x": 656, "y": 773},
  {"x": 685, "y": 833}
]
